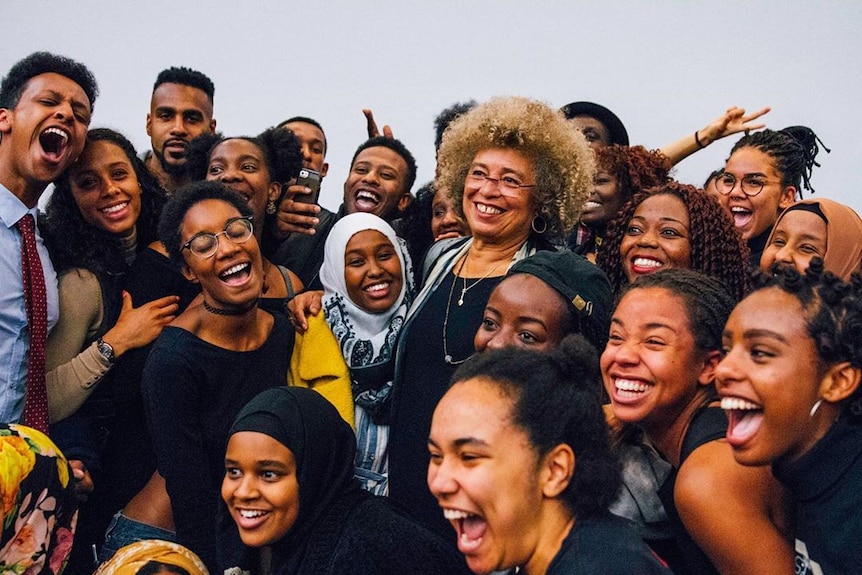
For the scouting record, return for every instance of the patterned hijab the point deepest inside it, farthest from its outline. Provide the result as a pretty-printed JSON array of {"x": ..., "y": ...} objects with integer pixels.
[
  {"x": 39, "y": 507},
  {"x": 843, "y": 235},
  {"x": 367, "y": 340},
  {"x": 131, "y": 558}
]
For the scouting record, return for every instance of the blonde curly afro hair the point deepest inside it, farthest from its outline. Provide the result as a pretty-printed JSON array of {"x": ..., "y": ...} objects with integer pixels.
[{"x": 562, "y": 160}]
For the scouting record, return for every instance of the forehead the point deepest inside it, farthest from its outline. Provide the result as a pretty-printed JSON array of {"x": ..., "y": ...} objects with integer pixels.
[
  {"x": 236, "y": 147},
  {"x": 207, "y": 216},
  {"x": 51, "y": 81},
  {"x": 367, "y": 238},
  {"x": 474, "y": 408},
  {"x": 305, "y": 132},
  {"x": 750, "y": 160},
  {"x": 182, "y": 98},
  {"x": 522, "y": 295},
  {"x": 771, "y": 309},
  {"x": 259, "y": 446},
  {"x": 505, "y": 158},
  {"x": 100, "y": 152},
  {"x": 653, "y": 305},
  {"x": 382, "y": 156},
  {"x": 802, "y": 222},
  {"x": 663, "y": 206}
]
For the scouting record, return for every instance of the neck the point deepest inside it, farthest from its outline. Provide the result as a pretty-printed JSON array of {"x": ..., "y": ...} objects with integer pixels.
[
  {"x": 556, "y": 527},
  {"x": 667, "y": 439},
  {"x": 484, "y": 254},
  {"x": 168, "y": 181},
  {"x": 25, "y": 190}
]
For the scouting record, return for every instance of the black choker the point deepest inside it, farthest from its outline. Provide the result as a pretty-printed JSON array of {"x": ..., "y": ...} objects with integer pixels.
[{"x": 222, "y": 311}]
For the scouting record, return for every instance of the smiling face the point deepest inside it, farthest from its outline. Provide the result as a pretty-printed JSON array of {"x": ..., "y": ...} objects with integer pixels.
[
  {"x": 494, "y": 213},
  {"x": 769, "y": 379},
  {"x": 232, "y": 278},
  {"x": 657, "y": 237},
  {"x": 798, "y": 236},
  {"x": 445, "y": 221},
  {"x": 484, "y": 473},
  {"x": 650, "y": 367},
  {"x": 178, "y": 114},
  {"x": 372, "y": 271},
  {"x": 523, "y": 311},
  {"x": 241, "y": 166},
  {"x": 43, "y": 134},
  {"x": 106, "y": 189},
  {"x": 260, "y": 487},
  {"x": 376, "y": 183},
  {"x": 754, "y": 215},
  {"x": 604, "y": 202},
  {"x": 313, "y": 144}
]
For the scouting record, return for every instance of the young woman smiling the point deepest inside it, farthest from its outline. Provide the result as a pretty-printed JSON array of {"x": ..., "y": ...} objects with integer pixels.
[
  {"x": 658, "y": 370},
  {"x": 789, "y": 381},
  {"x": 214, "y": 357}
]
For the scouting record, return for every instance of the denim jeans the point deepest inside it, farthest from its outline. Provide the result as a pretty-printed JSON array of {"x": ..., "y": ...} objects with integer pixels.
[{"x": 123, "y": 531}]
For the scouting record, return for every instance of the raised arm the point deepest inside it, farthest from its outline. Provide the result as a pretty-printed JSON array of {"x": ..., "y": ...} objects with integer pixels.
[{"x": 733, "y": 121}]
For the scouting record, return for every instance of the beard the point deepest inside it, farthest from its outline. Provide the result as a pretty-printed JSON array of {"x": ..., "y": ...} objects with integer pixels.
[{"x": 174, "y": 170}]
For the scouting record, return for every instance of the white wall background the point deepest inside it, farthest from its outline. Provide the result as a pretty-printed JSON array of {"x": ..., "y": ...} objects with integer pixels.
[{"x": 665, "y": 67}]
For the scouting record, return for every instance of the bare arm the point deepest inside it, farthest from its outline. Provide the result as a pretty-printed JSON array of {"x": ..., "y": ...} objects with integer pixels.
[
  {"x": 733, "y": 121},
  {"x": 734, "y": 513}
]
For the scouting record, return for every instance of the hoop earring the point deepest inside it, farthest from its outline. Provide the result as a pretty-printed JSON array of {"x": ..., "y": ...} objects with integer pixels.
[
  {"x": 814, "y": 409},
  {"x": 270, "y": 207},
  {"x": 543, "y": 224}
]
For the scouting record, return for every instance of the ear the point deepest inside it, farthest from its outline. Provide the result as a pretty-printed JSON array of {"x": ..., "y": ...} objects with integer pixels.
[
  {"x": 840, "y": 382},
  {"x": 189, "y": 274},
  {"x": 707, "y": 372},
  {"x": 557, "y": 468},
  {"x": 405, "y": 200},
  {"x": 788, "y": 197},
  {"x": 149, "y": 125},
  {"x": 212, "y": 125},
  {"x": 324, "y": 169},
  {"x": 5, "y": 120},
  {"x": 274, "y": 191}
]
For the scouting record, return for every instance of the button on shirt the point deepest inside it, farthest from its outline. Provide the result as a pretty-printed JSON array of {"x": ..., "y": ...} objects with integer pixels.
[{"x": 14, "y": 335}]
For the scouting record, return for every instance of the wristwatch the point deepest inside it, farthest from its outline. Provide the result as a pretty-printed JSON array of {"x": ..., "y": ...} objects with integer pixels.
[{"x": 105, "y": 350}]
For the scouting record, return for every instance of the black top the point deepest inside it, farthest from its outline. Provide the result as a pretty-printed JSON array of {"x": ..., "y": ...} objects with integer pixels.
[
  {"x": 303, "y": 254},
  {"x": 425, "y": 379},
  {"x": 825, "y": 485},
  {"x": 607, "y": 545},
  {"x": 193, "y": 390}
]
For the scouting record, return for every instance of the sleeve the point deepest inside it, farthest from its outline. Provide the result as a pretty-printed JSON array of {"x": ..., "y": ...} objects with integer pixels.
[
  {"x": 72, "y": 373},
  {"x": 172, "y": 396}
]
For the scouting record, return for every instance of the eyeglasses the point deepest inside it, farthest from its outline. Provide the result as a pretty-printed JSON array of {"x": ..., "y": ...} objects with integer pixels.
[
  {"x": 504, "y": 184},
  {"x": 205, "y": 244},
  {"x": 751, "y": 185}
]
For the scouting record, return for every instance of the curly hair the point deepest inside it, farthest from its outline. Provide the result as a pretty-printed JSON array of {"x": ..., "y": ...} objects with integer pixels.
[
  {"x": 186, "y": 77},
  {"x": 185, "y": 199},
  {"x": 557, "y": 400},
  {"x": 415, "y": 223},
  {"x": 562, "y": 160},
  {"x": 793, "y": 149},
  {"x": 717, "y": 248},
  {"x": 447, "y": 116},
  {"x": 15, "y": 82},
  {"x": 74, "y": 243},
  {"x": 635, "y": 168}
]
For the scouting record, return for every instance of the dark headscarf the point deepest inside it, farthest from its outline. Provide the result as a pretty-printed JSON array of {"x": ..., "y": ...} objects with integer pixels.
[
  {"x": 39, "y": 508},
  {"x": 324, "y": 447}
]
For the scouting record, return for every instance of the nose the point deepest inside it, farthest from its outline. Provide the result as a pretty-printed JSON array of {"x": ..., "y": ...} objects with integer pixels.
[
  {"x": 110, "y": 189},
  {"x": 624, "y": 353},
  {"x": 649, "y": 238},
  {"x": 727, "y": 371},
  {"x": 784, "y": 254},
  {"x": 371, "y": 177},
  {"x": 306, "y": 154},
  {"x": 230, "y": 174},
  {"x": 179, "y": 125},
  {"x": 246, "y": 488},
  {"x": 441, "y": 480},
  {"x": 64, "y": 111}
]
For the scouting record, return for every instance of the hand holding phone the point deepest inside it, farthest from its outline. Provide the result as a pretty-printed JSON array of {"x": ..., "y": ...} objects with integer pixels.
[{"x": 311, "y": 180}]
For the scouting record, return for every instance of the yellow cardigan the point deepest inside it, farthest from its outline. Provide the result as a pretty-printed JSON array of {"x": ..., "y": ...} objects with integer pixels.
[{"x": 317, "y": 363}]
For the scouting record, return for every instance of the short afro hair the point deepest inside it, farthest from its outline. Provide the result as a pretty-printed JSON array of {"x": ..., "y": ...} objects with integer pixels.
[
  {"x": 309, "y": 121},
  {"x": 399, "y": 148},
  {"x": 15, "y": 82},
  {"x": 562, "y": 160},
  {"x": 186, "y": 77}
]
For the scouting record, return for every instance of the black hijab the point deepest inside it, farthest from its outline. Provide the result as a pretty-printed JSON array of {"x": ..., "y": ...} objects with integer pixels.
[{"x": 324, "y": 447}]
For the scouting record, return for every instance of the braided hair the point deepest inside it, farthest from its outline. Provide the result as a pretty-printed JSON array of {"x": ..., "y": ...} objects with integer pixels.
[
  {"x": 793, "y": 149},
  {"x": 717, "y": 249}
]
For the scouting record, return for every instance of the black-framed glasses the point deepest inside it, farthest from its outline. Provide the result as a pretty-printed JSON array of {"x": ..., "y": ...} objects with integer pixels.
[
  {"x": 506, "y": 184},
  {"x": 205, "y": 244},
  {"x": 750, "y": 184}
]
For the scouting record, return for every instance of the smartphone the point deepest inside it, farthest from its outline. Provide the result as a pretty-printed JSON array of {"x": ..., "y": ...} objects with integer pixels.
[{"x": 310, "y": 179}]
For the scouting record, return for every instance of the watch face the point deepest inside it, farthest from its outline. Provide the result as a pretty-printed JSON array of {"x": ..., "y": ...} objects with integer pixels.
[{"x": 106, "y": 350}]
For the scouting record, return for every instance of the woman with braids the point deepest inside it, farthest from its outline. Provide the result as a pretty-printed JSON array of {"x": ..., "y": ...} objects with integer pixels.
[
  {"x": 674, "y": 226},
  {"x": 519, "y": 174},
  {"x": 522, "y": 468},
  {"x": 658, "y": 369},
  {"x": 764, "y": 174},
  {"x": 789, "y": 382},
  {"x": 620, "y": 171}
]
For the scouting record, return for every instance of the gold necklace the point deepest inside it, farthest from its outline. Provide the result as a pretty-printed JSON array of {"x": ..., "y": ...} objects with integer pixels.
[{"x": 466, "y": 288}]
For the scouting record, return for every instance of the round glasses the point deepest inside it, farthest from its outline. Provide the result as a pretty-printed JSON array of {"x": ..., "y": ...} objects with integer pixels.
[
  {"x": 750, "y": 184},
  {"x": 205, "y": 244}
]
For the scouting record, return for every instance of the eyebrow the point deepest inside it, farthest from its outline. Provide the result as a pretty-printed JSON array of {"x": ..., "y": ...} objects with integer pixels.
[
  {"x": 652, "y": 325},
  {"x": 242, "y": 158},
  {"x": 661, "y": 219},
  {"x": 460, "y": 442},
  {"x": 758, "y": 333}
]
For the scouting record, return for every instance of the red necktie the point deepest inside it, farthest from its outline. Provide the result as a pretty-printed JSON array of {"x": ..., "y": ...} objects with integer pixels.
[{"x": 36, "y": 301}]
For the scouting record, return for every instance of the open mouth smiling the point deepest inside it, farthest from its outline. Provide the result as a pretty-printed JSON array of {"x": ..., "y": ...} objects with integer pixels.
[
  {"x": 54, "y": 142},
  {"x": 744, "y": 419},
  {"x": 469, "y": 526}
]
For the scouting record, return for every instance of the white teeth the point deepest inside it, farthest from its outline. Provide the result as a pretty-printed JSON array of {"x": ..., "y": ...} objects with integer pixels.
[
  {"x": 363, "y": 195},
  {"x": 377, "y": 287},
  {"x": 629, "y": 385},
  {"x": 647, "y": 263},
  {"x": 590, "y": 205},
  {"x": 735, "y": 403},
  {"x": 234, "y": 269},
  {"x": 59, "y": 132},
  {"x": 486, "y": 209},
  {"x": 455, "y": 514},
  {"x": 738, "y": 210},
  {"x": 249, "y": 514},
  {"x": 115, "y": 208}
]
